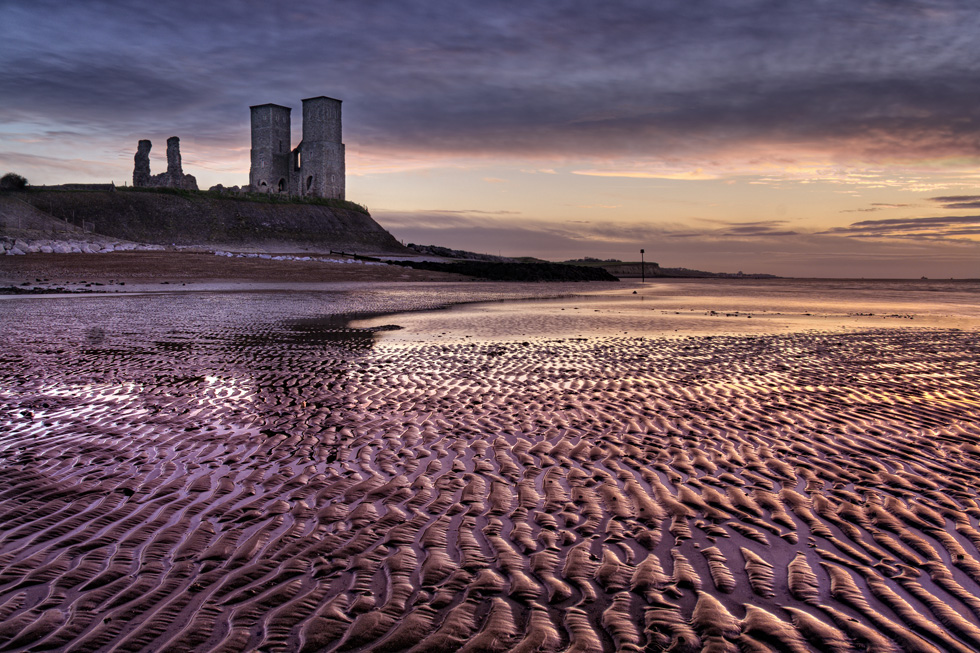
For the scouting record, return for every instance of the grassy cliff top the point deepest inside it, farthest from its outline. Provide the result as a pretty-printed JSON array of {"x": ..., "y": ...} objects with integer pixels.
[{"x": 262, "y": 198}]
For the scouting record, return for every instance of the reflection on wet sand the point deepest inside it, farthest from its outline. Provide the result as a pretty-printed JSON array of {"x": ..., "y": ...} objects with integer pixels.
[{"x": 272, "y": 481}]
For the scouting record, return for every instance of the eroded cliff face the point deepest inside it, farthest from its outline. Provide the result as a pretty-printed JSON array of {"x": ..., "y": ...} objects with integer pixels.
[
  {"x": 174, "y": 177},
  {"x": 173, "y": 219}
]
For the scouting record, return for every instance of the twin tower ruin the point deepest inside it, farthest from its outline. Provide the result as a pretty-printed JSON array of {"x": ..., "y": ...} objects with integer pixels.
[{"x": 315, "y": 167}]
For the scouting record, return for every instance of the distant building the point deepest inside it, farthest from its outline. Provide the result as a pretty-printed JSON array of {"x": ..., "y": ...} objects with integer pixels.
[{"x": 315, "y": 167}]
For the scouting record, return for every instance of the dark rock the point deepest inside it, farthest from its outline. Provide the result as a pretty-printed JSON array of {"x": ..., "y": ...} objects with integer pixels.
[{"x": 515, "y": 271}]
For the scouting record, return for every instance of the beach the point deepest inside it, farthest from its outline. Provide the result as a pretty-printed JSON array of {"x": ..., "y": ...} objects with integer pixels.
[{"x": 342, "y": 464}]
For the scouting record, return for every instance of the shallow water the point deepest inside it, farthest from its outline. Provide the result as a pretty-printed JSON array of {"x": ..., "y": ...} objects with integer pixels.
[
  {"x": 247, "y": 471},
  {"x": 713, "y": 307}
]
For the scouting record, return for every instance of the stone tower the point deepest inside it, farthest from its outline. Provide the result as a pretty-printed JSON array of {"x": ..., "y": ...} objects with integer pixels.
[
  {"x": 174, "y": 167},
  {"x": 270, "y": 149},
  {"x": 141, "y": 170},
  {"x": 320, "y": 156}
]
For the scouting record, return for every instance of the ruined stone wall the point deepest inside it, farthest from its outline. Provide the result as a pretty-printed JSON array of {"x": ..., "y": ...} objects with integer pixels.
[
  {"x": 271, "y": 153},
  {"x": 174, "y": 168},
  {"x": 315, "y": 167},
  {"x": 322, "y": 173},
  {"x": 141, "y": 171},
  {"x": 174, "y": 177}
]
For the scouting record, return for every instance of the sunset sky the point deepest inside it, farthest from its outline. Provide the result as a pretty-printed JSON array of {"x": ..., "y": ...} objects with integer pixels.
[{"x": 820, "y": 138}]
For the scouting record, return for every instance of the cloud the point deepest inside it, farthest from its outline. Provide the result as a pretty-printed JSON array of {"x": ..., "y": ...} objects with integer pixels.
[
  {"x": 34, "y": 167},
  {"x": 580, "y": 231},
  {"x": 443, "y": 218},
  {"x": 469, "y": 212},
  {"x": 963, "y": 205},
  {"x": 756, "y": 230},
  {"x": 878, "y": 206},
  {"x": 701, "y": 82},
  {"x": 726, "y": 229},
  {"x": 692, "y": 175},
  {"x": 763, "y": 246},
  {"x": 958, "y": 201},
  {"x": 928, "y": 228}
]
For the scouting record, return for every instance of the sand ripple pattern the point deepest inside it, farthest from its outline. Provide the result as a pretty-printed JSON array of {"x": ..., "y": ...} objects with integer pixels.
[{"x": 268, "y": 488}]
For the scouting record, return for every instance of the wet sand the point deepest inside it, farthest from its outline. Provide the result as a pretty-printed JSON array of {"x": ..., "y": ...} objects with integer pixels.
[
  {"x": 246, "y": 471},
  {"x": 684, "y": 307},
  {"x": 157, "y": 271}
]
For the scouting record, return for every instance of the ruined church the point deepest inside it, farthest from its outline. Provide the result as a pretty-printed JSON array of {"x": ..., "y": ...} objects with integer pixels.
[
  {"x": 174, "y": 177},
  {"x": 315, "y": 167}
]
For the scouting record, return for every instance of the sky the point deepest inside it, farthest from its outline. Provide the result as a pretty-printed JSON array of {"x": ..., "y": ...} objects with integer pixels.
[{"x": 826, "y": 138}]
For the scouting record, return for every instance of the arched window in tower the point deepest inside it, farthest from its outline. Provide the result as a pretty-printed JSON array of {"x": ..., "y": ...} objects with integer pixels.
[
  {"x": 282, "y": 185},
  {"x": 309, "y": 182}
]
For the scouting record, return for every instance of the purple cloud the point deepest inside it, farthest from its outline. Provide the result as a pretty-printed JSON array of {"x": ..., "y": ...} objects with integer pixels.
[{"x": 929, "y": 228}]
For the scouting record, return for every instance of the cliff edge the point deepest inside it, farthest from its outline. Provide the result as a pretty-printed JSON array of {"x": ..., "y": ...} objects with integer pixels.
[{"x": 211, "y": 220}]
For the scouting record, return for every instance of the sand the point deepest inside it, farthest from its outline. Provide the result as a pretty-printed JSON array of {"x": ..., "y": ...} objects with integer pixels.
[
  {"x": 245, "y": 471},
  {"x": 155, "y": 271}
]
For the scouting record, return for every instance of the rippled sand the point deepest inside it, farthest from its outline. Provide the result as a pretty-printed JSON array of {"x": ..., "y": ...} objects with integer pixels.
[{"x": 243, "y": 471}]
